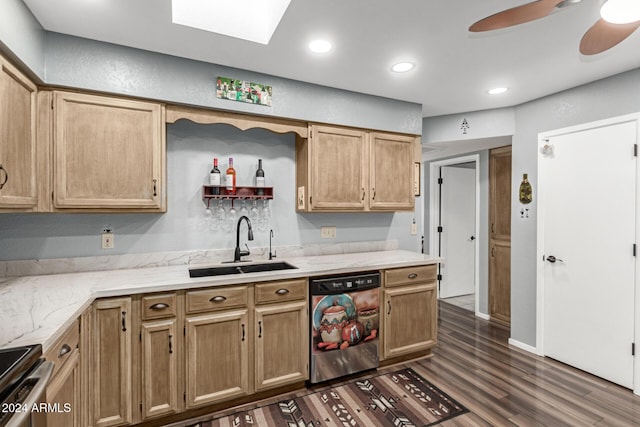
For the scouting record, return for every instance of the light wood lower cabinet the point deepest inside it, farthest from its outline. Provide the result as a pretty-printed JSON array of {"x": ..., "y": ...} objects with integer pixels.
[
  {"x": 111, "y": 363},
  {"x": 217, "y": 357},
  {"x": 410, "y": 311},
  {"x": 159, "y": 364},
  {"x": 63, "y": 395}
]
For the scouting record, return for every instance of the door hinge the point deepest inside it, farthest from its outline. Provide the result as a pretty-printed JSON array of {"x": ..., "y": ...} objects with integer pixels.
[
  {"x": 634, "y": 249},
  {"x": 635, "y": 150},
  {"x": 439, "y": 276},
  {"x": 140, "y": 406},
  {"x": 440, "y": 229},
  {"x": 184, "y": 396},
  {"x": 633, "y": 349},
  {"x": 184, "y": 331},
  {"x": 440, "y": 180},
  {"x": 140, "y": 336}
]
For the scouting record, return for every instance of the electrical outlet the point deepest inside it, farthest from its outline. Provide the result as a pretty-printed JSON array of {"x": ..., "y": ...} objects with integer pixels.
[
  {"x": 107, "y": 240},
  {"x": 414, "y": 228},
  {"x": 328, "y": 232}
]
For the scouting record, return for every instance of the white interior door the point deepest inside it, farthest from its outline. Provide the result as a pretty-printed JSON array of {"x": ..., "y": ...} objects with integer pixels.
[
  {"x": 458, "y": 210},
  {"x": 588, "y": 215}
]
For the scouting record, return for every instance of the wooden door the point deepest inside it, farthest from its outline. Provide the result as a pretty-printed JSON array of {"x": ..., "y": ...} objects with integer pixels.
[
  {"x": 159, "y": 368},
  {"x": 63, "y": 394},
  {"x": 217, "y": 356},
  {"x": 391, "y": 172},
  {"x": 108, "y": 153},
  {"x": 111, "y": 362},
  {"x": 588, "y": 229},
  {"x": 500, "y": 234},
  {"x": 17, "y": 140},
  {"x": 337, "y": 162},
  {"x": 409, "y": 319},
  {"x": 282, "y": 332}
]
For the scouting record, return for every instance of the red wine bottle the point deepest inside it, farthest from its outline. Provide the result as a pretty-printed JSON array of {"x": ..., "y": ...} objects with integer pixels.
[
  {"x": 259, "y": 179},
  {"x": 214, "y": 177}
]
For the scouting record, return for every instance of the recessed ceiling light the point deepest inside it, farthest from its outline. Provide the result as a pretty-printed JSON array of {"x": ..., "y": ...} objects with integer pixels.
[
  {"x": 620, "y": 11},
  {"x": 497, "y": 90},
  {"x": 211, "y": 16},
  {"x": 403, "y": 67},
  {"x": 319, "y": 46}
]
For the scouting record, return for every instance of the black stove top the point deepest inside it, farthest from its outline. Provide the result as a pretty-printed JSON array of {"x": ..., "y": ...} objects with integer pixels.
[{"x": 15, "y": 363}]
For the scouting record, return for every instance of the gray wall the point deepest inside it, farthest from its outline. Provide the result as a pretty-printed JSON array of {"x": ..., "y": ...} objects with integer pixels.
[
  {"x": 21, "y": 36},
  {"x": 190, "y": 149}
]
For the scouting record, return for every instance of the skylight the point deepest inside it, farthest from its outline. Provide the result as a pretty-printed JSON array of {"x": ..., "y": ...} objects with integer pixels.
[{"x": 252, "y": 20}]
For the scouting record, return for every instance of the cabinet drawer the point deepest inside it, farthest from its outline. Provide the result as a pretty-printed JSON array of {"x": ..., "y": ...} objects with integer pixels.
[
  {"x": 220, "y": 298},
  {"x": 60, "y": 352},
  {"x": 287, "y": 290},
  {"x": 158, "y": 306},
  {"x": 408, "y": 275}
]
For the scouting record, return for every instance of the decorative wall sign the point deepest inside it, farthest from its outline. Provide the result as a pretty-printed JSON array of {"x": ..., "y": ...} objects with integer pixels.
[
  {"x": 525, "y": 191},
  {"x": 243, "y": 91},
  {"x": 416, "y": 179}
]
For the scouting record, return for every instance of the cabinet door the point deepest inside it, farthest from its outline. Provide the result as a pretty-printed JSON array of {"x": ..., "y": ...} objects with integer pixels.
[
  {"x": 409, "y": 319},
  {"x": 63, "y": 394},
  {"x": 337, "y": 162},
  {"x": 217, "y": 357},
  {"x": 108, "y": 153},
  {"x": 391, "y": 172},
  {"x": 159, "y": 368},
  {"x": 111, "y": 362},
  {"x": 282, "y": 352},
  {"x": 17, "y": 139},
  {"x": 500, "y": 281}
]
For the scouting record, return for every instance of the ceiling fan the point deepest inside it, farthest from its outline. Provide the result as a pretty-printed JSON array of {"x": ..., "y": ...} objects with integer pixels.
[{"x": 601, "y": 36}]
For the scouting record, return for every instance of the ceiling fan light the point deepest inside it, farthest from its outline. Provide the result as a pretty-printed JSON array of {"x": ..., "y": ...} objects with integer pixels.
[{"x": 621, "y": 11}]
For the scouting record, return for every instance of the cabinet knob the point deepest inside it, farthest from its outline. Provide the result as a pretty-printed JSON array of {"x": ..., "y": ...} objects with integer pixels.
[
  {"x": 64, "y": 350},
  {"x": 412, "y": 276}
]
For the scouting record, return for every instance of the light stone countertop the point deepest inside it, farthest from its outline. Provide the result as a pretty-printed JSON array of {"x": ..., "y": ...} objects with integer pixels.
[{"x": 38, "y": 309}]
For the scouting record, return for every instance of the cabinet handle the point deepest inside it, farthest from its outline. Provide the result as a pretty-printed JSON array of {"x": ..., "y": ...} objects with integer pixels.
[
  {"x": 493, "y": 228},
  {"x": 219, "y": 298},
  {"x": 374, "y": 193},
  {"x": 64, "y": 350},
  {"x": 155, "y": 191},
  {"x": 159, "y": 306},
  {"x": 412, "y": 276},
  {"x": 6, "y": 176},
  {"x": 493, "y": 252},
  {"x": 282, "y": 291},
  {"x": 389, "y": 311},
  {"x": 243, "y": 332},
  {"x": 363, "y": 193},
  {"x": 124, "y": 321},
  {"x": 260, "y": 329},
  {"x": 170, "y": 344}
]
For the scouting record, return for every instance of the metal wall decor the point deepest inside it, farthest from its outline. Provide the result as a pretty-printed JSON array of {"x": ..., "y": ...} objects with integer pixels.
[
  {"x": 243, "y": 91},
  {"x": 464, "y": 126}
]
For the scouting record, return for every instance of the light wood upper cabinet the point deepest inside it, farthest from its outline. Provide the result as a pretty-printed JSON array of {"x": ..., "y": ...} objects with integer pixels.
[
  {"x": 18, "y": 190},
  {"x": 108, "y": 153},
  {"x": 350, "y": 170},
  {"x": 391, "y": 172}
]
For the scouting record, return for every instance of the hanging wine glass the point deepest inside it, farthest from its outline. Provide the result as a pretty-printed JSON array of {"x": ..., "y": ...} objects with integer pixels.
[
  {"x": 254, "y": 215},
  {"x": 219, "y": 216},
  {"x": 266, "y": 215},
  {"x": 243, "y": 209},
  {"x": 232, "y": 216}
]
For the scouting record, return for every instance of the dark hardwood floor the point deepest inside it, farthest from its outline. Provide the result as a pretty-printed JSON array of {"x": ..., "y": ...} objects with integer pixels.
[{"x": 506, "y": 386}]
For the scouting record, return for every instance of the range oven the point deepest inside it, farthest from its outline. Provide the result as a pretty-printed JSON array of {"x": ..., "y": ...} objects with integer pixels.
[
  {"x": 344, "y": 325},
  {"x": 23, "y": 380}
]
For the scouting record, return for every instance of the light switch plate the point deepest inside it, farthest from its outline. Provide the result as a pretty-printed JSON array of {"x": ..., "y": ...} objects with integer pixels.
[{"x": 328, "y": 232}]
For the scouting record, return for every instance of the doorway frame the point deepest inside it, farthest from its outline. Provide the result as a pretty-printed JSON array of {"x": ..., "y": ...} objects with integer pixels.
[
  {"x": 434, "y": 208},
  {"x": 543, "y": 138}
]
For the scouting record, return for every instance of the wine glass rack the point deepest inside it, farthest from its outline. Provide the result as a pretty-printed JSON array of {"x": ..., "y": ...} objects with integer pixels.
[{"x": 242, "y": 193}]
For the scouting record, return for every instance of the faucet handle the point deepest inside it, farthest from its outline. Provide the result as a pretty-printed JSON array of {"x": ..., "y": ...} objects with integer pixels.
[{"x": 247, "y": 246}]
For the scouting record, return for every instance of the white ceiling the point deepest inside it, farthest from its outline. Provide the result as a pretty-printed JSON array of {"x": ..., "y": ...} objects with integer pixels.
[{"x": 454, "y": 68}]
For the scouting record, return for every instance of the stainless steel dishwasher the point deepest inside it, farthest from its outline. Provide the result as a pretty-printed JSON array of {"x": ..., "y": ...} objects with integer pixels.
[{"x": 344, "y": 325}]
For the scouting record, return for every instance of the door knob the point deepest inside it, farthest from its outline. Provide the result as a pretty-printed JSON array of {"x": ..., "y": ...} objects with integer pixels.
[{"x": 551, "y": 258}]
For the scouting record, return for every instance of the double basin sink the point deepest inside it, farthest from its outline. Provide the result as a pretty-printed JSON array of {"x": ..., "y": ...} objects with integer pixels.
[{"x": 223, "y": 270}]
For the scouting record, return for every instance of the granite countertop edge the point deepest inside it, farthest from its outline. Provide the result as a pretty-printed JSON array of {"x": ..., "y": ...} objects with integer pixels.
[{"x": 43, "y": 307}]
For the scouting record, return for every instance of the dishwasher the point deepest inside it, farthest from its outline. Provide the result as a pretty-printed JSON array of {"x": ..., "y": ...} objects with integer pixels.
[{"x": 344, "y": 325}]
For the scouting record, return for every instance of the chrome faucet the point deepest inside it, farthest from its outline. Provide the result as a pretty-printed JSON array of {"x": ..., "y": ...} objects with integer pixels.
[
  {"x": 240, "y": 253},
  {"x": 271, "y": 255}
]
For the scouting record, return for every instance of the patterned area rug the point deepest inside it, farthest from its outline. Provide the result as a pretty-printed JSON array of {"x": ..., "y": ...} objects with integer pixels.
[{"x": 402, "y": 399}]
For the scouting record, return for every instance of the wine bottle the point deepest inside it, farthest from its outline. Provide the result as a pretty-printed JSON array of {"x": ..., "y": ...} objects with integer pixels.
[
  {"x": 259, "y": 179},
  {"x": 214, "y": 177},
  {"x": 231, "y": 178}
]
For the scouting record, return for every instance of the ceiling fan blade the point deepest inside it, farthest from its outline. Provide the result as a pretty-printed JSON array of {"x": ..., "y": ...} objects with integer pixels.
[
  {"x": 516, "y": 15},
  {"x": 604, "y": 35}
]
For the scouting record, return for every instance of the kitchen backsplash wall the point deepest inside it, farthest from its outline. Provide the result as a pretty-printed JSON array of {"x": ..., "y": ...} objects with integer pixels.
[{"x": 186, "y": 227}]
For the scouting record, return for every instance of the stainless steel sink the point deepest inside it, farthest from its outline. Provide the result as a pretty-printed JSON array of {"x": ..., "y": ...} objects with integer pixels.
[{"x": 239, "y": 269}]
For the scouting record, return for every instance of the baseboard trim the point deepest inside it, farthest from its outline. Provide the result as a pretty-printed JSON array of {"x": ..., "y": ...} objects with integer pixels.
[
  {"x": 523, "y": 346},
  {"x": 483, "y": 316}
]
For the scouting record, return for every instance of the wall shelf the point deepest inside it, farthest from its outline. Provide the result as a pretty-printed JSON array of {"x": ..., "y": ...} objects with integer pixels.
[{"x": 242, "y": 193}]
